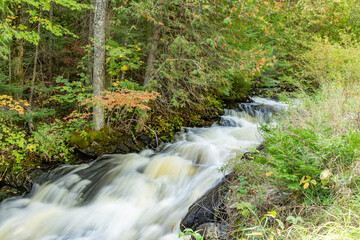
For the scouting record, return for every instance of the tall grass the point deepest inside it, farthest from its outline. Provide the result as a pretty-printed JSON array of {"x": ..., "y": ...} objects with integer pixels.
[{"x": 314, "y": 153}]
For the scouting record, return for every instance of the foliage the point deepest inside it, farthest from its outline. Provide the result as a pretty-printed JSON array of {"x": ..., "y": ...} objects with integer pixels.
[
  {"x": 18, "y": 147},
  {"x": 121, "y": 59},
  {"x": 165, "y": 128},
  {"x": 9, "y": 103},
  {"x": 330, "y": 61},
  {"x": 14, "y": 148},
  {"x": 190, "y": 232},
  {"x": 123, "y": 98},
  {"x": 74, "y": 92},
  {"x": 21, "y": 31},
  {"x": 313, "y": 146},
  {"x": 121, "y": 101},
  {"x": 52, "y": 142}
]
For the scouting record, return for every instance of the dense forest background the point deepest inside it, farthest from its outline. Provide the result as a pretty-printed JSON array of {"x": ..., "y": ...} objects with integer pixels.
[{"x": 166, "y": 64}]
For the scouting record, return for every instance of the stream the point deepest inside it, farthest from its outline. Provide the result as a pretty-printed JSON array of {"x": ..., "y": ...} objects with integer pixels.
[{"x": 136, "y": 196}]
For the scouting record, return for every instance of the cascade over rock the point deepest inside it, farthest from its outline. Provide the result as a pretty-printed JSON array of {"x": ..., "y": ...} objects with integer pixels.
[{"x": 137, "y": 195}]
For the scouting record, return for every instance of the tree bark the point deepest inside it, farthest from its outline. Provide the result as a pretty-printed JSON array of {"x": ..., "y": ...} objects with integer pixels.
[
  {"x": 154, "y": 43},
  {"x": 152, "y": 54},
  {"x": 35, "y": 63},
  {"x": 10, "y": 73},
  {"x": 99, "y": 61},
  {"x": 17, "y": 53},
  {"x": 90, "y": 59},
  {"x": 31, "y": 125},
  {"x": 108, "y": 80},
  {"x": 51, "y": 52},
  {"x": 17, "y": 59}
]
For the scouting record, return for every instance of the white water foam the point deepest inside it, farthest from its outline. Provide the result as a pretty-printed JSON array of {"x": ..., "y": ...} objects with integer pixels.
[{"x": 131, "y": 196}]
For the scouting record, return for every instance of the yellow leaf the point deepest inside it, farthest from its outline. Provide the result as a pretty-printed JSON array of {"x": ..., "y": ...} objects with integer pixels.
[
  {"x": 269, "y": 173},
  {"x": 124, "y": 68},
  {"x": 271, "y": 214},
  {"x": 325, "y": 174},
  {"x": 306, "y": 185},
  {"x": 302, "y": 180},
  {"x": 255, "y": 234}
]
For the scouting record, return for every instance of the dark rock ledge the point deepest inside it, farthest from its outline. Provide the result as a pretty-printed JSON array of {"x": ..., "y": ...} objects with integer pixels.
[{"x": 211, "y": 216}]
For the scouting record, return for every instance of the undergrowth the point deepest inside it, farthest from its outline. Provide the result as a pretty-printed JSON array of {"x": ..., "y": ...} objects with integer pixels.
[{"x": 312, "y": 156}]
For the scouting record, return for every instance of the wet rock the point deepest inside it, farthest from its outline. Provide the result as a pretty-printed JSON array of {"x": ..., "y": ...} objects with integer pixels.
[
  {"x": 250, "y": 155},
  {"x": 226, "y": 122},
  {"x": 210, "y": 208},
  {"x": 14, "y": 185},
  {"x": 8, "y": 192},
  {"x": 21, "y": 184},
  {"x": 212, "y": 231},
  {"x": 115, "y": 144},
  {"x": 19, "y": 181},
  {"x": 209, "y": 215}
]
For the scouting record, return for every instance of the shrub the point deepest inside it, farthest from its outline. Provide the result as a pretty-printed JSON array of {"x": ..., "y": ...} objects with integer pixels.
[
  {"x": 317, "y": 139},
  {"x": 333, "y": 61},
  {"x": 52, "y": 142}
]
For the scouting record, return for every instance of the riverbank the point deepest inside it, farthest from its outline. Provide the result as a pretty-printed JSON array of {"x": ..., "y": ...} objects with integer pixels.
[
  {"x": 87, "y": 147},
  {"x": 131, "y": 196},
  {"x": 312, "y": 156}
]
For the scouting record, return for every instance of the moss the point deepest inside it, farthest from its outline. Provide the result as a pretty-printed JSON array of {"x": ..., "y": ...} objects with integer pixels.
[
  {"x": 96, "y": 143},
  {"x": 118, "y": 134},
  {"x": 85, "y": 140},
  {"x": 78, "y": 141}
]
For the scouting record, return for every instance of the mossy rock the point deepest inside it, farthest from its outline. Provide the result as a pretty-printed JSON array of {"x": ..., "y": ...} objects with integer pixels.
[
  {"x": 97, "y": 143},
  {"x": 8, "y": 192}
]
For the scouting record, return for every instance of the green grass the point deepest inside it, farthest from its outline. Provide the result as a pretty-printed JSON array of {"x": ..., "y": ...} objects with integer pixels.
[
  {"x": 321, "y": 132},
  {"x": 313, "y": 155}
]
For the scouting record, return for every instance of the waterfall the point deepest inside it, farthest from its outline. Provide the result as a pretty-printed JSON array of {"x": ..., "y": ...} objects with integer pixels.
[{"x": 138, "y": 195}]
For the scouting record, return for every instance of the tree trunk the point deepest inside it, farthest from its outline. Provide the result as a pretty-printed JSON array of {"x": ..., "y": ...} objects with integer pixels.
[
  {"x": 10, "y": 73},
  {"x": 90, "y": 59},
  {"x": 108, "y": 80},
  {"x": 152, "y": 54},
  {"x": 51, "y": 52},
  {"x": 99, "y": 61},
  {"x": 17, "y": 53},
  {"x": 17, "y": 60},
  {"x": 31, "y": 125},
  {"x": 35, "y": 62},
  {"x": 149, "y": 70}
]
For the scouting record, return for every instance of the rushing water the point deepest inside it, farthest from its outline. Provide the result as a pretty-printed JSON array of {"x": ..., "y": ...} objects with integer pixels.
[{"x": 134, "y": 196}]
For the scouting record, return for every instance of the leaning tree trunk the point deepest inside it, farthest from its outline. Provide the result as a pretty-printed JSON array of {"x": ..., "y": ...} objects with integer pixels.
[
  {"x": 154, "y": 43},
  {"x": 99, "y": 61}
]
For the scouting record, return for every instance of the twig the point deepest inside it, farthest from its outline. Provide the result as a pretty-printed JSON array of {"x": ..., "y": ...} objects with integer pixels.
[{"x": 157, "y": 142}]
